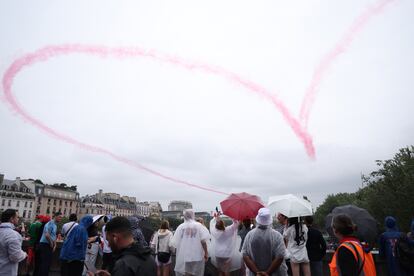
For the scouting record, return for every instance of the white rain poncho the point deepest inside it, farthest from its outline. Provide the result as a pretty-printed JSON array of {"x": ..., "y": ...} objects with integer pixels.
[
  {"x": 225, "y": 245},
  {"x": 263, "y": 244},
  {"x": 187, "y": 241}
]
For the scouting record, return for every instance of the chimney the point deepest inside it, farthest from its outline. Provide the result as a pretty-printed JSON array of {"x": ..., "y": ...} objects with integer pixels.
[
  {"x": 1, "y": 178},
  {"x": 100, "y": 194},
  {"x": 18, "y": 180}
]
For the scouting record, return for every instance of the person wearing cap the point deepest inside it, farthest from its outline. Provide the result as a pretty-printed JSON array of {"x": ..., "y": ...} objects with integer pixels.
[
  {"x": 263, "y": 248},
  {"x": 190, "y": 241}
]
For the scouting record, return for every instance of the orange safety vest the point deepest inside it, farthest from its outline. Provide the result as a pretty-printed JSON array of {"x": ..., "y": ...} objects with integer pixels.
[{"x": 365, "y": 260}]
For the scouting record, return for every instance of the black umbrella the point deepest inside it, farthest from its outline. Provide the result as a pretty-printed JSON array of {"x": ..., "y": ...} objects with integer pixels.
[{"x": 367, "y": 226}]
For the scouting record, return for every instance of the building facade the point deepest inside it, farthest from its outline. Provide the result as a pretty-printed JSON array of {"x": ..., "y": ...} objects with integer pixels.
[
  {"x": 109, "y": 204},
  {"x": 155, "y": 209},
  {"x": 143, "y": 208},
  {"x": 179, "y": 205},
  {"x": 90, "y": 205},
  {"x": 14, "y": 194},
  {"x": 58, "y": 198}
]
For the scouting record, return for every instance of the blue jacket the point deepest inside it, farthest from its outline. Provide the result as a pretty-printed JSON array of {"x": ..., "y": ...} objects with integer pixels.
[
  {"x": 74, "y": 247},
  {"x": 388, "y": 242}
]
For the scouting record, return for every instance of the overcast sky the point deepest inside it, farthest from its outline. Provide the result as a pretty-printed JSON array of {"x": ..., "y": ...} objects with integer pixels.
[{"x": 199, "y": 127}]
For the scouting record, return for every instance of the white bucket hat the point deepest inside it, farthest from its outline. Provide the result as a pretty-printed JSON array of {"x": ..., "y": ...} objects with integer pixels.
[{"x": 264, "y": 217}]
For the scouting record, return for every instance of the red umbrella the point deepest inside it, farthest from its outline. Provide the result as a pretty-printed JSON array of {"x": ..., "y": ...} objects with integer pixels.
[{"x": 241, "y": 206}]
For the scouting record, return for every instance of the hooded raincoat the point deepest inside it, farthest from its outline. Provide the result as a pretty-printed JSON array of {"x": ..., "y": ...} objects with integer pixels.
[
  {"x": 388, "y": 242},
  {"x": 136, "y": 231},
  {"x": 263, "y": 244},
  {"x": 74, "y": 246},
  {"x": 187, "y": 241}
]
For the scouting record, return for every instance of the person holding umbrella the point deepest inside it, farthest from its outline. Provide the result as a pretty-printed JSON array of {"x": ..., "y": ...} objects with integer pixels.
[{"x": 349, "y": 258}]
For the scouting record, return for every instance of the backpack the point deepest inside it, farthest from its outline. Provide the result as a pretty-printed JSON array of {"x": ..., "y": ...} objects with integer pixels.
[{"x": 405, "y": 252}]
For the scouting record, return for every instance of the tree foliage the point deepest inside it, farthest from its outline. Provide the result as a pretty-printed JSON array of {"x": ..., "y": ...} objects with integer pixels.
[{"x": 388, "y": 191}]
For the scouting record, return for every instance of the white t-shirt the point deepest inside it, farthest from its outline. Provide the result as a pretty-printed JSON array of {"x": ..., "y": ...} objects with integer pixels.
[
  {"x": 65, "y": 228},
  {"x": 296, "y": 253}
]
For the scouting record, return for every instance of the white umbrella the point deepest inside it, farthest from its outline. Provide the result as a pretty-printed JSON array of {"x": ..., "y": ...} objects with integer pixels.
[
  {"x": 97, "y": 218},
  {"x": 290, "y": 206}
]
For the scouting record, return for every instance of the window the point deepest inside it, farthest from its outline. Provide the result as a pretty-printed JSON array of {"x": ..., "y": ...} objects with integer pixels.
[
  {"x": 70, "y": 211},
  {"x": 66, "y": 204},
  {"x": 24, "y": 213},
  {"x": 30, "y": 214},
  {"x": 25, "y": 204},
  {"x": 70, "y": 204},
  {"x": 18, "y": 203},
  {"x": 31, "y": 204},
  {"x": 54, "y": 202},
  {"x": 48, "y": 210},
  {"x": 60, "y": 202},
  {"x": 3, "y": 202},
  {"x": 48, "y": 201},
  {"x": 64, "y": 212}
]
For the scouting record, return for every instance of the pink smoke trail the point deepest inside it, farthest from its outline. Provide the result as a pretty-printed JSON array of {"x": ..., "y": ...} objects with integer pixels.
[
  {"x": 327, "y": 61},
  {"x": 299, "y": 127},
  {"x": 48, "y": 52}
]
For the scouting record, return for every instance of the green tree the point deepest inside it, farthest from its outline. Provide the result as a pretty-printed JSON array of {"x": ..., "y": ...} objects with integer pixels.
[
  {"x": 390, "y": 189},
  {"x": 330, "y": 203},
  {"x": 174, "y": 222}
]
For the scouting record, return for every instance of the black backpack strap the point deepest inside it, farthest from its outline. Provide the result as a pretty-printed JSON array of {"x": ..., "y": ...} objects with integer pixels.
[{"x": 360, "y": 267}]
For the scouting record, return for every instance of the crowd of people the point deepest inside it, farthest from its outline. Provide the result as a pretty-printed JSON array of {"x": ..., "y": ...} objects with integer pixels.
[{"x": 251, "y": 247}]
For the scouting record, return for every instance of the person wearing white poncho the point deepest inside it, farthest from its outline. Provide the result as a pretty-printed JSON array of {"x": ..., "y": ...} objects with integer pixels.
[
  {"x": 264, "y": 249},
  {"x": 224, "y": 246},
  {"x": 190, "y": 240}
]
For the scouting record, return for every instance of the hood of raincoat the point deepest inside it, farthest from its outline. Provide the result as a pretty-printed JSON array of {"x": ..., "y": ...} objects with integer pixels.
[
  {"x": 86, "y": 221},
  {"x": 188, "y": 214},
  {"x": 391, "y": 224},
  {"x": 137, "y": 232}
]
